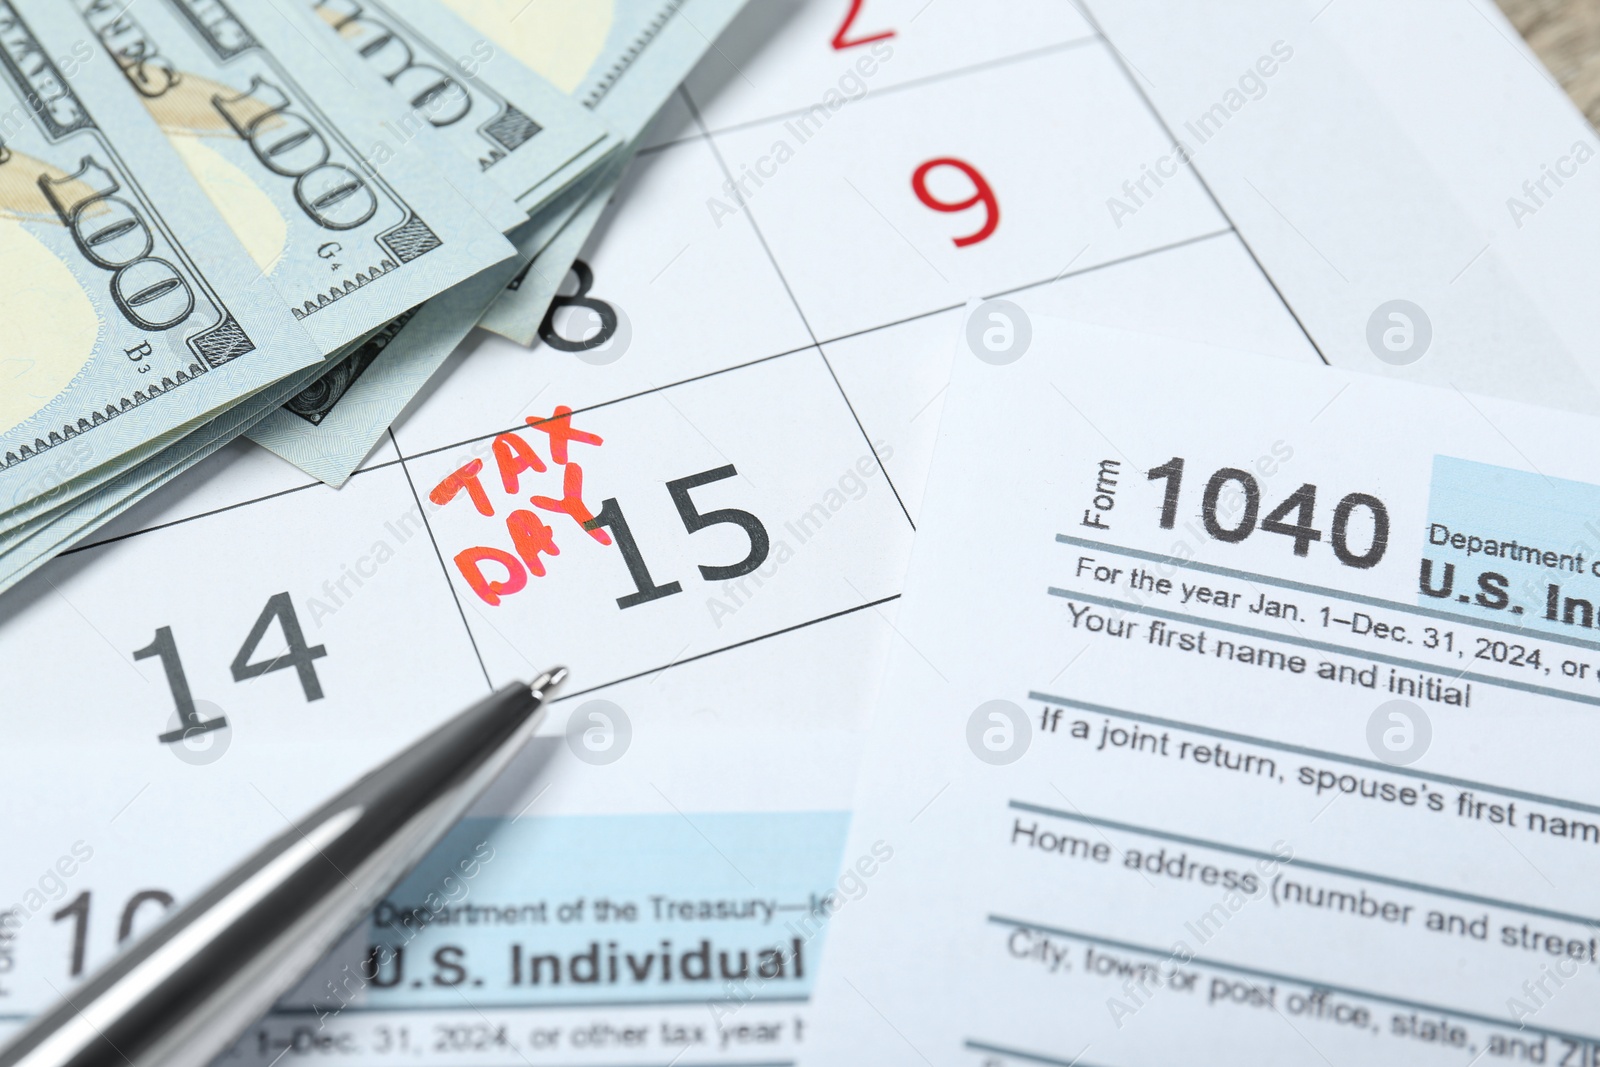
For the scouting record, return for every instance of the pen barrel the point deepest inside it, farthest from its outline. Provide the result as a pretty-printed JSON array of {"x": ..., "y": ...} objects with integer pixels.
[{"x": 179, "y": 997}]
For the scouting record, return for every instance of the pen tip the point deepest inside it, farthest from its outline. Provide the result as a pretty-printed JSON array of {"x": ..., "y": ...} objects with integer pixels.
[{"x": 548, "y": 680}]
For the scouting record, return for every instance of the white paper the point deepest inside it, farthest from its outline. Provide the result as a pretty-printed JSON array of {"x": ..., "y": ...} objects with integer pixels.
[
  {"x": 1528, "y": 186},
  {"x": 799, "y": 328},
  {"x": 1342, "y": 203},
  {"x": 1165, "y": 767}
]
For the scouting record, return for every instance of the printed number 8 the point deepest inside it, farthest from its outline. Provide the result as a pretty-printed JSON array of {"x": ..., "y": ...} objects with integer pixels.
[{"x": 982, "y": 194}]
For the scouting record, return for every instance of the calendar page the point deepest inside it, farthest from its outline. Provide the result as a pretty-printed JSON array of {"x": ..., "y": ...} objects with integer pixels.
[{"x": 706, "y": 516}]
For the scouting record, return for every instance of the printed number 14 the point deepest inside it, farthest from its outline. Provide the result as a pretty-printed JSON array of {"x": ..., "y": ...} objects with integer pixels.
[{"x": 299, "y": 656}]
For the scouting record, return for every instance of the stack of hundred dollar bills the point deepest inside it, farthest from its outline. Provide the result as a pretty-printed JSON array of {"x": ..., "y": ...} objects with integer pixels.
[{"x": 276, "y": 218}]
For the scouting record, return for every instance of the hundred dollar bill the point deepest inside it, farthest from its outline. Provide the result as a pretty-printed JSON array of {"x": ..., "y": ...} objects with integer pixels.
[
  {"x": 137, "y": 459},
  {"x": 63, "y": 494},
  {"x": 30, "y": 546},
  {"x": 129, "y": 309},
  {"x": 329, "y": 427},
  {"x": 50, "y": 524},
  {"x": 550, "y": 219},
  {"x": 518, "y": 310},
  {"x": 291, "y": 151},
  {"x": 621, "y": 61},
  {"x": 139, "y": 464},
  {"x": 508, "y": 127},
  {"x": 513, "y": 125}
]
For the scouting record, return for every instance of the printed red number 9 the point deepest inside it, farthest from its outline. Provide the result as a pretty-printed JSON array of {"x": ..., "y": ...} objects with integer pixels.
[{"x": 982, "y": 194}]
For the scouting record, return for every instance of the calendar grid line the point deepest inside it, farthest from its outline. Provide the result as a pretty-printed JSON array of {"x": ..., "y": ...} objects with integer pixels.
[
  {"x": 1025, "y": 286},
  {"x": 1117, "y": 262},
  {"x": 911, "y": 83},
  {"x": 597, "y": 405},
  {"x": 87, "y": 545},
  {"x": 729, "y": 648},
  {"x": 722, "y": 165},
  {"x": 433, "y": 450},
  {"x": 423, "y": 453},
  {"x": 828, "y": 364},
  {"x": 1188, "y": 160},
  {"x": 798, "y": 310},
  {"x": 444, "y": 569}
]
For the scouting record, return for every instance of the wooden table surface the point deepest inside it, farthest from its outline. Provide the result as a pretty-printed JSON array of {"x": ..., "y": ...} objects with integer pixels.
[{"x": 1566, "y": 35}]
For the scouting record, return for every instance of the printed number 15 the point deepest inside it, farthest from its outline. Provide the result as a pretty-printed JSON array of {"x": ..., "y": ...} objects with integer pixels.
[{"x": 694, "y": 520}]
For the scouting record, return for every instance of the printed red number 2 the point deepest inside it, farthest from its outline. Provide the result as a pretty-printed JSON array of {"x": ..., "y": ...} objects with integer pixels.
[
  {"x": 981, "y": 194},
  {"x": 840, "y": 43}
]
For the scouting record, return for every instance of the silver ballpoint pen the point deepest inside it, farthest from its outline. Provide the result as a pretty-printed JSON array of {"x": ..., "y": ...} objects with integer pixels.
[{"x": 182, "y": 995}]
